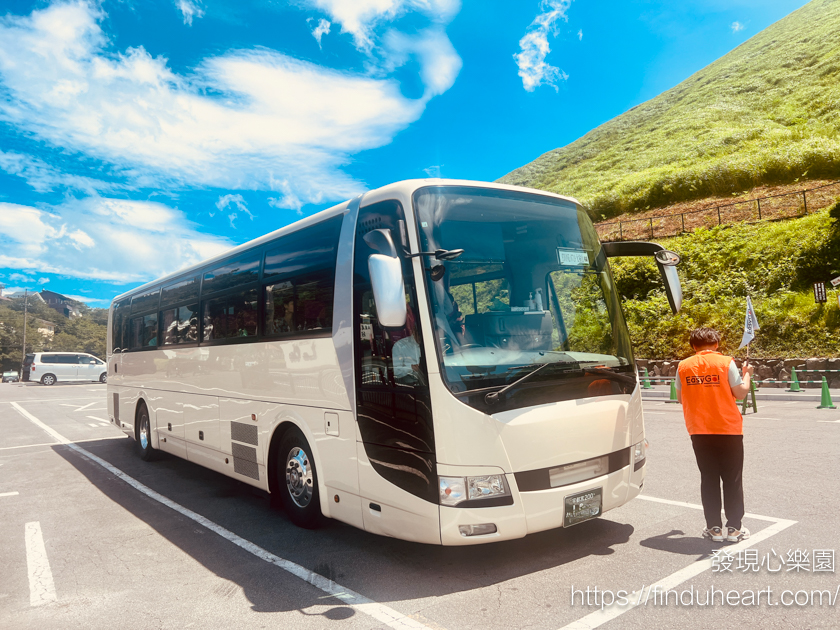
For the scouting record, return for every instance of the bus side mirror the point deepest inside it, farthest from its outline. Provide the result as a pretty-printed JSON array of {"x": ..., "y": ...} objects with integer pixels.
[
  {"x": 386, "y": 280},
  {"x": 673, "y": 288},
  {"x": 667, "y": 262}
]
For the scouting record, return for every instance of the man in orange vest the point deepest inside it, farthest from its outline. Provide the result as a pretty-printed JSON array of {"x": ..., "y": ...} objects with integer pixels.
[{"x": 707, "y": 385}]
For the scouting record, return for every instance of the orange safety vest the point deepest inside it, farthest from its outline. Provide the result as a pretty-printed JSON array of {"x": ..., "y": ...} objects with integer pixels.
[{"x": 708, "y": 404}]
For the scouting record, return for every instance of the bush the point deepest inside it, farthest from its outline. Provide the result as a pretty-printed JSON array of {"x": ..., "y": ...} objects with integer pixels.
[{"x": 775, "y": 264}]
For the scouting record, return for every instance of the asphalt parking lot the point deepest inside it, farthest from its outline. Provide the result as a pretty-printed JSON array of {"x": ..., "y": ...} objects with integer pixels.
[{"x": 92, "y": 537}]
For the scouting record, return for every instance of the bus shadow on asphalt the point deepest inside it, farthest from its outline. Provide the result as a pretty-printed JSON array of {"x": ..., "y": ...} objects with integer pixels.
[{"x": 374, "y": 566}]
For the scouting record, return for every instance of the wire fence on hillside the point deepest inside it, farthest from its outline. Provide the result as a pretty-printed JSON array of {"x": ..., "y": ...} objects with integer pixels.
[{"x": 781, "y": 206}]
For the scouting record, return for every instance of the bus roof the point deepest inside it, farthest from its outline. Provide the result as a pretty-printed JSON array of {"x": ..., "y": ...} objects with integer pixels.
[{"x": 405, "y": 187}]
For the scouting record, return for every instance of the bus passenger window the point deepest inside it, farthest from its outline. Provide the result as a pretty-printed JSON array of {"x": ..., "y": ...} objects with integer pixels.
[
  {"x": 300, "y": 304},
  {"x": 180, "y": 325},
  {"x": 231, "y": 316},
  {"x": 279, "y": 308},
  {"x": 143, "y": 331}
]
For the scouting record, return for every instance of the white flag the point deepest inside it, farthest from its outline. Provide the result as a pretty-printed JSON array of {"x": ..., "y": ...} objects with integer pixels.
[{"x": 750, "y": 325}]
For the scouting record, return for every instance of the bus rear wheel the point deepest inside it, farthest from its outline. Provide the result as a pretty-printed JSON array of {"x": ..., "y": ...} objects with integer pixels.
[
  {"x": 297, "y": 480},
  {"x": 144, "y": 434}
]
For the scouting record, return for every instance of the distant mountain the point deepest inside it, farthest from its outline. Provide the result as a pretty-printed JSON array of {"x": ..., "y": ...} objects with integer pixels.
[{"x": 767, "y": 112}]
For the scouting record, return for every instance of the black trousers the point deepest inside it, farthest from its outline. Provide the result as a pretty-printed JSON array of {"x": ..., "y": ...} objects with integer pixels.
[{"x": 721, "y": 458}]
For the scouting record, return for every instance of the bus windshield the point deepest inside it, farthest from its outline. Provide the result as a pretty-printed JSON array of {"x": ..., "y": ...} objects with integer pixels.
[{"x": 531, "y": 288}]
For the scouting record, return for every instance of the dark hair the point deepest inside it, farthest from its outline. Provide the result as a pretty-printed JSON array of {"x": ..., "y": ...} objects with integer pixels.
[{"x": 701, "y": 337}]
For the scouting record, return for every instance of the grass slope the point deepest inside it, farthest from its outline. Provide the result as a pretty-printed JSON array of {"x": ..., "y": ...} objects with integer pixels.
[
  {"x": 767, "y": 112},
  {"x": 774, "y": 263}
]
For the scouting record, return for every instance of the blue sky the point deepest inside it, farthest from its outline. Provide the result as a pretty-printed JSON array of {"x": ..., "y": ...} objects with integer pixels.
[{"x": 140, "y": 136}]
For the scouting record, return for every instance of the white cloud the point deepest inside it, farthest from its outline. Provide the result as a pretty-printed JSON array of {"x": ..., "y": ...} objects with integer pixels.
[
  {"x": 534, "y": 47},
  {"x": 105, "y": 239},
  {"x": 86, "y": 299},
  {"x": 319, "y": 31},
  {"x": 45, "y": 178},
  {"x": 190, "y": 9},
  {"x": 227, "y": 201},
  {"x": 287, "y": 200},
  {"x": 43, "y": 280},
  {"x": 580, "y": 35},
  {"x": 439, "y": 63},
  {"x": 237, "y": 121},
  {"x": 430, "y": 46},
  {"x": 359, "y": 18},
  {"x": 736, "y": 26},
  {"x": 19, "y": 277},
  {"x": 433, "y": 171}
]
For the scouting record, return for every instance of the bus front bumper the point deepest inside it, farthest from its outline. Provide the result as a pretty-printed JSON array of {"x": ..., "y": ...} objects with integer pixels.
[{"x": 535, "y": 511}]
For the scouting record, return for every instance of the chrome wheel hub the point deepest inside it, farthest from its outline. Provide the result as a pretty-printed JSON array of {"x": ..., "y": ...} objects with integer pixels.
[
  {"x": 299, "y": 477},
  {"x": 144, "y": 435}
]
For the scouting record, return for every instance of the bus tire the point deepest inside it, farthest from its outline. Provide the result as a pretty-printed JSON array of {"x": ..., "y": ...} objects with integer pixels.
[
  {"x": 144, "y": 433},
  {"x": 297, "y": 480},
  {"x": 48, "y": 379}
]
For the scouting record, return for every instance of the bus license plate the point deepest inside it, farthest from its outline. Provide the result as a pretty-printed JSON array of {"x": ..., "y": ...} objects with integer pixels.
[{"x": 582, "y": 506}]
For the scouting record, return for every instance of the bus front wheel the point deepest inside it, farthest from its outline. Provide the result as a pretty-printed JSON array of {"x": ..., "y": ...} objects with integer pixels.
[
  {"x": 297, "y": 480},
  {"x": 144, "y": 434}
]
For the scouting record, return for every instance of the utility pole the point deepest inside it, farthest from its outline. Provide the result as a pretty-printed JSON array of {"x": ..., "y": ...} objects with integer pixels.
[{"x": 25, "y": 306}]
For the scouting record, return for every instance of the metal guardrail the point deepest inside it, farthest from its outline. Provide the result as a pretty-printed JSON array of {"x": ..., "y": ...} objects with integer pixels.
[{"x": 750, "y": 209}]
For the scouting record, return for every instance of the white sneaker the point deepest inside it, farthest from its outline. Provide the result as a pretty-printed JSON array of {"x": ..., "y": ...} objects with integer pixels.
[
  {"x": 735, "y": 535},
  {"x": 715, "y": 533}
]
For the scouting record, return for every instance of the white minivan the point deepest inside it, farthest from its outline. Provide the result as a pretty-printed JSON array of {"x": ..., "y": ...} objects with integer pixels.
[{"x": 50, "y": 367}]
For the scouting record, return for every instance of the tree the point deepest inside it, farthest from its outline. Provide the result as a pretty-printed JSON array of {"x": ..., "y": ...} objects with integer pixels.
[
  {"x": 11, "y": 337},
  {"x": 81, "y": 334}
]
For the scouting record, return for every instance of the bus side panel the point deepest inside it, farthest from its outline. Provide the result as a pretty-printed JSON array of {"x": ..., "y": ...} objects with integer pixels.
[
  {"x": 302, "y": 371},
  {"x": 399, "y": 514},
  {"x": 129, "y": 397},
  {"x": 169, "y": 422}
]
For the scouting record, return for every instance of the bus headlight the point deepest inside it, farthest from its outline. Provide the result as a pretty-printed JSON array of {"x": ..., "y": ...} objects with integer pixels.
[
  {"x": 639, "y": 454},
  {"x": 454, "y": 490},
  {"x": 486, "y": 486}
]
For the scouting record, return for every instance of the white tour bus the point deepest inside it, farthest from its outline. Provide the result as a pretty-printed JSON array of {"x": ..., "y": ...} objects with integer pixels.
[{"x": 437, "y": 360}]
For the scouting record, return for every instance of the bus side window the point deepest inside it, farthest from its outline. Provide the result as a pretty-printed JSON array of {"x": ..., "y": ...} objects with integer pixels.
[{"x": 232, "y": 315}]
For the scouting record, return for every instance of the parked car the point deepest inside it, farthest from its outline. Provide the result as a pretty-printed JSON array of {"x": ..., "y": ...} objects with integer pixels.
[
  {"x": 10, "y": 377},
  {"x": 50, "y": 367}
]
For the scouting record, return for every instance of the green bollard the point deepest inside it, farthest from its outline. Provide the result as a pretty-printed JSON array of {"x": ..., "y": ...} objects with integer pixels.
[
  {"x": 646, "y": 380},
  {"x": 794, "y": 381},
  {"x": 750, "y": 394},
  {"x": 673, "y": 398},
  {"x": 825, "y": 402}
]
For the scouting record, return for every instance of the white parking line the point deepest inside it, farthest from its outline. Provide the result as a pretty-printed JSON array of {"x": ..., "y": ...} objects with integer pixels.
[
  {"x": 41, "y": 585},
  {"x": 383, "y": 614},
  {"x": 696, "y": 506},
  {"x": 110, "y": 437},
  {"x": 608, "y": 613},
  {"x": 48, "y": 400},
  {"x": 100, "y": 419},
  {"x": 8, "y": 494},
  {"x": 91, "y": 424}
]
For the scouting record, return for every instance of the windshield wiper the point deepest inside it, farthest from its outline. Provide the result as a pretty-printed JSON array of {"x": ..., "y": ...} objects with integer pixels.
[
  {"x": 610, "y": 374},
  {"x": 493, "y": 398}
]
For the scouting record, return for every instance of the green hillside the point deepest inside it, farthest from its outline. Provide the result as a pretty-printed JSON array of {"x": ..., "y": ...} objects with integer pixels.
[
  {"x": 775, "y": 263},
  {"x": 767, "y": 112},
  {"x": 85, "y": 333}
]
